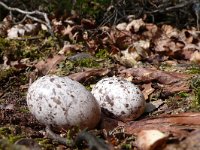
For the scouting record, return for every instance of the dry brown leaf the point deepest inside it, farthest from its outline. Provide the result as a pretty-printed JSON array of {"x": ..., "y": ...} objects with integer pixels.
[
  {"x": 151, "y": 140},
  {"x": 80, "y": 76},
  {"x": 178, "y": 125},
  {"x": 49, "y": 65},
  {"x": 161, "y": 44},
  {"x": 195, "y": 57},
  {"x": 135, "y": 25},
  {"x": 21, "y": 30},
  {"x": 151, "y": 30},
  {"x": 190, "y": 143},
  {"x": 172, "y": 81},
  {"x": 147, "y": 74},
  {"x": 88, "y": 24},
  {"x": 5, "y": 25},
  {"x": 67, "y": 31},
  {"x": 147, "y": 90},
  {"x": 169, "y": 31},
  {"x": 176, "y": 87},
  {"x": 68, "y": 48},
  {"x": 128, "y": 58},
  {"x": 121, "y": 26},
  {"x": 92, "y": 44}
]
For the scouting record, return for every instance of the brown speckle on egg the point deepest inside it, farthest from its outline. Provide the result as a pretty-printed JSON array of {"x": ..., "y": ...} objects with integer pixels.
[
  {"x": 57, "y": 101},
  {"x": 58, "y": 85},
  {"x": 51, "y": 79}
]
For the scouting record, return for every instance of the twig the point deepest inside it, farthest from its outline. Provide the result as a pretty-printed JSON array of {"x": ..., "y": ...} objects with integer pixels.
[
  {"x": 178, "y": 6},
  {"x": 58, "y": 138},
  {"x": 26, "y": 38},
  {"x": 29, "y": 13},
  {"x": 93, "y": 141}
]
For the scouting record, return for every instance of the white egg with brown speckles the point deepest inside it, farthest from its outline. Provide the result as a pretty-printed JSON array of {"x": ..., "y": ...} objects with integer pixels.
[
  {"x": 62, "y": 102},
  {"x": 119, "y": 98}
]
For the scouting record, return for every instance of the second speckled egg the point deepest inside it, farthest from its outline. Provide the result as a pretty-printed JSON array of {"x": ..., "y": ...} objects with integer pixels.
[{"x": 120, "y": 98}]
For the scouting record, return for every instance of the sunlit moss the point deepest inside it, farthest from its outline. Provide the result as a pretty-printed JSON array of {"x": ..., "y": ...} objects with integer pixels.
[
  {"x": 8, "y": 133},
  {"x": 183, "y": 94},
  {"x": 102, "y": 53},
  {"x": 45, "y": 143},
  {"x": 127, "y": 146},
  {"x": 4, "y": 131},
  {"x": 14, "y": 138},
  {"x": 195, "y": 85},
  {"x": 86, "y": 62},
  {"x": 24, "y": 110},
  {"x": 6, "y": 145},
  {"x": 32, "y": 49},
  {"x": 194, "y": 69}
]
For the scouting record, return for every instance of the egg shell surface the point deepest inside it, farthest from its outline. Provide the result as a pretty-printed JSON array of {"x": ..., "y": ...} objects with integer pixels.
[
  {"x": 62, "y": 102},
  {"x": 120, "y": 98}
]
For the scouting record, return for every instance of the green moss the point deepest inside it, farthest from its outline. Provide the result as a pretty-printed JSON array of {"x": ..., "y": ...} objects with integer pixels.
[
  {"x": 194, "y": 69},
  {"x": 8, "y": 133},
  {"x": 24, "y": 110},
  {"x": 32, "y": 49},
  {"x": 4, "y": 131},
  {"x": 4, "y": 74},
  {"x": 102, "y": 53},
  {"x": 195, "y": 85},
  {"x": 65, "y": 67},
  {"x": 183, "y": 94},
  {"x": 6, "y": 145},
  {"x": 14, "y": 138},
  {"x": 179, "y": 102},
  {"x": 126, "y": 147},
  {"x": 45, "y": 143},
  {"x": 86, "y": 62}
]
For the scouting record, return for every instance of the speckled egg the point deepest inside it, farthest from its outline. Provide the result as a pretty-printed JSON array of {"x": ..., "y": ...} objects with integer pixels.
[
  {"x": 62, "y": 102},
  {"x": 119, "y": 98}
]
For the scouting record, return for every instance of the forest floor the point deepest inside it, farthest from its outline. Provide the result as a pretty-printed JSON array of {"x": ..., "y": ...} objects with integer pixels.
[{"x": 162, "y": 60}]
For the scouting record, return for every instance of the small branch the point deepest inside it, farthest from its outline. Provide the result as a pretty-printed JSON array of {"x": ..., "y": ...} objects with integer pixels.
[
  {"x": 58, "y": 138},
  {"x": 29, "y": 13},
  {"x": 171, "y": 8},
  {"x": 93, "y": 141}
]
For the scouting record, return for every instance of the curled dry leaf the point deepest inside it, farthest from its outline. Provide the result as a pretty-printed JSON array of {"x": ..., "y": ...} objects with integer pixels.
[
  {"x": 49, "y": 65},
  {"x": 88, "y": 23},
  {"x": 68, "y": 48},
  {"x": 134, "y": 52},
  {"x": 195, "y": 57},
  {"x": 80, "y": 76},
  {"x": 121, "y": 26},
  {"x": 135, "y": 25},
  {"x": 178, "y": 125},
  {"x": 169, "y": 31},
  {"x": 152, "y": 30},
  {"x": 21, "y": 30},
  {"x": 5, "y": 25},
  {"x": 128, "y": 58},
  {"x": 151, "y": 140},
  {"x": 173, "y": 82},
  {"x": 67, "y": 31},
  {"x": 176, "y": 87},
  {"x": 148, "y": 74},
  {"x": 147, "y": 90},
  {"x": 192, "y": 141}
]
